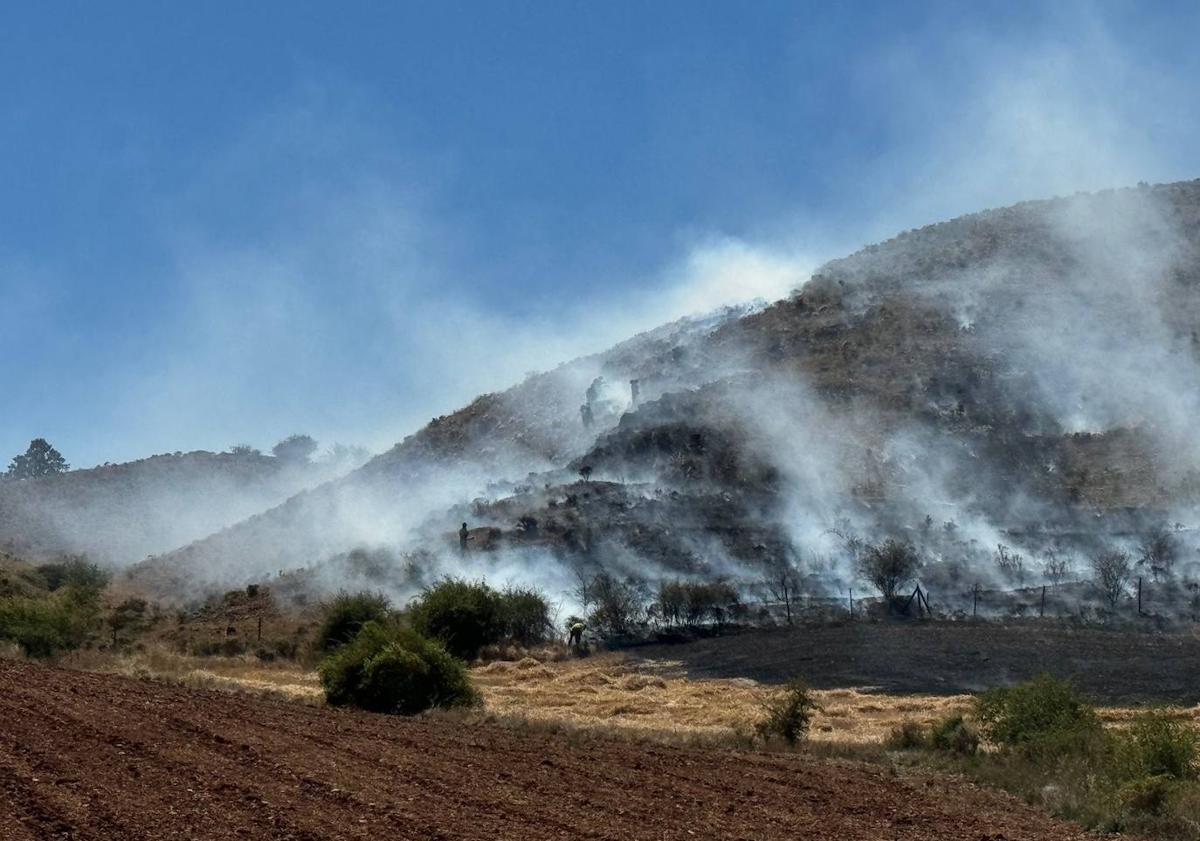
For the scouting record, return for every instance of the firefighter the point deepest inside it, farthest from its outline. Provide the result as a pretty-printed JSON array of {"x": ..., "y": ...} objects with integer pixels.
[
  {"x": 464, "y": 535},
  {"x": 576, "y": 638}
]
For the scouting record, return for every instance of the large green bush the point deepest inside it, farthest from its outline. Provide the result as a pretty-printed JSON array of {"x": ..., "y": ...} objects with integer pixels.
[
  {"x": 464, "y": 615},
  {"x": 346, "y": 615},
  {"x": 1042, "y": 716},
  {"x": 74, "y": 571},
  {"x": 524, "y": 615},
  {"x": 390, "y": 669},
  {"x": 1157, "y": 745},
  {"x": 45, "y": 626}
]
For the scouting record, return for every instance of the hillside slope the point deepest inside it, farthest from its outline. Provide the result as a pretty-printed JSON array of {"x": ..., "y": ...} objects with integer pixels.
[
  {"x": 121, "y": 513},
  {"x": 1024, "y": 374}
]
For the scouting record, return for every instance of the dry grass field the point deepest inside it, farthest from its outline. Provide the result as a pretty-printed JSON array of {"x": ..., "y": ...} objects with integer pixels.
[
  {"x": 605, "y": 692},
  {"x": 654, "y": 696}
]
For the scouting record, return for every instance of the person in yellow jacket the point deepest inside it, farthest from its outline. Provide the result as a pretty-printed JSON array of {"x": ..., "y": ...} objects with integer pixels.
[{"x": 576, "y": 634}]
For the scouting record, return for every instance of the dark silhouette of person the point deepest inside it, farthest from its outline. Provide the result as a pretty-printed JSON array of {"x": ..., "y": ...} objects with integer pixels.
[
  {"x": 464, "y": 535},
  {"x": 576, "y": 638}
]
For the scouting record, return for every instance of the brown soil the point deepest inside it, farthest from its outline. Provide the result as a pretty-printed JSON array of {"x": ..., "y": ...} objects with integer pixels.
[{"x": 86, "y": 756}]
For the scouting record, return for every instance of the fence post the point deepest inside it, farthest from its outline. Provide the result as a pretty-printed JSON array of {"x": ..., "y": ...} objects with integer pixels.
[
  {"x": 851, "y": 602},
  {"x": 975, "y": 605},
  {"x": 1139, "y": 595},
  {"x": 1042, "y": 611}
]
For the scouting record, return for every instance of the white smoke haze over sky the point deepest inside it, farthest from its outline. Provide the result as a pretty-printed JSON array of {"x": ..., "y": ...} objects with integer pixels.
[{"x": 350, "y": 304}]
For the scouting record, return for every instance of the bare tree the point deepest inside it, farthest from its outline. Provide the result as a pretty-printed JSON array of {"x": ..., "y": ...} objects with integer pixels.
[
  {"x": 1112, "y": 570},
  {"x": 1158, "y": 553},
  {"x": 1056, "y": 567},
  {"x": 782, "y": 580}
]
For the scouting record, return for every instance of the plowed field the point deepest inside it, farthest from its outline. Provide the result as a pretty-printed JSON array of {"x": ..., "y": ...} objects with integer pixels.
[{"x": 87, "y": 756}]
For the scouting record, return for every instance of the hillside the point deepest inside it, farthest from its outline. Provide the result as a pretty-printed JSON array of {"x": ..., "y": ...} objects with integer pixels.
[
  {"x": 120, "y": 513},
  {"x": 1026, "y": 375}
]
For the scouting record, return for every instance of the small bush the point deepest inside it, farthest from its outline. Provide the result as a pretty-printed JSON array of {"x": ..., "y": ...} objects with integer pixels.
[
  {"x": 1042, "y": 716},
  {"x": 955, "y": 735},
  {"x": 464, "y": 615},
  {"x": 1146, "y": 795},
  {"x": 908, "y": 736},
  {"x": 345, "y": 617},
  {"x": 389, "y": 669},
  {"x": 789, "y": 714}
]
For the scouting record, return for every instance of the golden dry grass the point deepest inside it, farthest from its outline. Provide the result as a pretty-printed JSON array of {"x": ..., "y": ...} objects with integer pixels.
[
  {"x": 604, "y": 692},
  {"x": 613, "y": 690},
  {"x": 241, "y": 674}
]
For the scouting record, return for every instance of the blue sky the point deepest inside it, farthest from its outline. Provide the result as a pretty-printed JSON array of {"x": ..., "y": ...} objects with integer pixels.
[{"x": 226, "y": 222}]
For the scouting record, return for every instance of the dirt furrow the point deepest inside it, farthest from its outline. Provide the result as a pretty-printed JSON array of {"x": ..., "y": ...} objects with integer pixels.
[{"x": 88, "y": 756}]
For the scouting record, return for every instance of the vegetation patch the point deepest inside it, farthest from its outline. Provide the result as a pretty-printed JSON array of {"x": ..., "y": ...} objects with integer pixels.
[{"x": 390, "y": 669}]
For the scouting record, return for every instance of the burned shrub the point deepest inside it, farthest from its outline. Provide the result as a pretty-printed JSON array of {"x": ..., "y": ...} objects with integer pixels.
[
  {"x": 616, "y": 606},
  {"x": 1056, "y": 567},
  {"x": 694, "y": 603},
  {"x": 1112, "y": 571},
  {"x": 1011, "y": 565},
  {"x": 889, "y": 566},
  {"x": 1157, "y": 553},
  {"x": 782, "y": 580}
]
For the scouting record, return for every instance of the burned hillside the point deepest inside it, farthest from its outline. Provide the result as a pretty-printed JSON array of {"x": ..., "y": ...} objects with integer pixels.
[{"x": 1024, "y": 376}]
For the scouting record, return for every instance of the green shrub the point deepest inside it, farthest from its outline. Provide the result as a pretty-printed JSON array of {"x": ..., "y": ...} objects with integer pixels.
[
  {"x": 1043, "y": 716},
  {"x": 1146, "y": 795},
  {"x": 43, "y": 627},
  {"x": 908, "y": 736},
  {"x": 39, "y": 626},
  {"x": 1158, "y": 746},
  {"x": 389, "y": 669},
  {"x": 75, "y": 571},
  {"x": 789, "y": 714},
  {"x": 345, "y": 617},
  {"x": 464, "y": 615},
  {"x": 524, "y": 615},
  {"x": 955, "y": 735}
]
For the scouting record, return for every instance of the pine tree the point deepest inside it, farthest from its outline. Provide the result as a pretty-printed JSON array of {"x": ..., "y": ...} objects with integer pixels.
[{"x": 40, "y": 459}]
